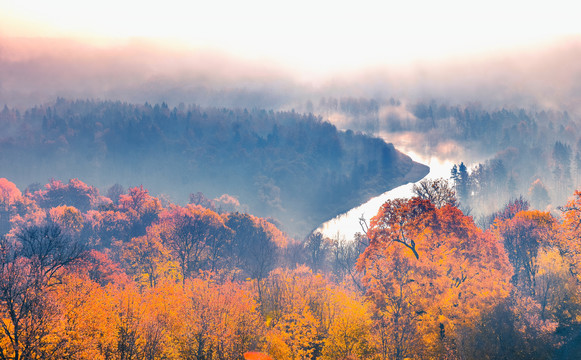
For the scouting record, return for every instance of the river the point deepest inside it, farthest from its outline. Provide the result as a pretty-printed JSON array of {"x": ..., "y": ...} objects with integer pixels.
[{"x": 346, "y": 225}]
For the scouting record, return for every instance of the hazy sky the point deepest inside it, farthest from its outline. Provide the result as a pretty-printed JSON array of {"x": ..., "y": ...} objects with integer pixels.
[{"x": 314, "y": 36}]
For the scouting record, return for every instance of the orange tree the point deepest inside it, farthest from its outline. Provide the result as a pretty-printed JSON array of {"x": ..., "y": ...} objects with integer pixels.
[
  {"x": 569, "y": 243},
  {"x": 428, "y": 272}
]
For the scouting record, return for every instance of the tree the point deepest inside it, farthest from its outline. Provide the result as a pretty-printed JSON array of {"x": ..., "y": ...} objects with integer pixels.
[
  {"x": 115, "y": 192},
  {"x": 539, "y": 194},
  {"x": 399, "y": 221},
  {"x": 9, "y": 196},
  {"x": 568, "y": 240},
  {"x": 102, "y": 228},
  {"x": 438, "y": 192},
  {"x": 219, "y": 321},
  {"x": 344, "y": 255},
  {"x": 146, "y": 259},
  {"x": 85, "y": 327},
  {"x": 577, "y": 166},
  {"x": 29, "y": 269},
  {"x": 254, "y": 246},
  {"x": 9, "y": 193},
  {"x": 17, "y": 210},
  {"x": 461, "y": 180},
  {"x": 317, "y": 248},
  {"x": 510, "y": 210},
  {"x": 196, "y": 237},
  {"x": 226, "y": 204},
  {"x": 142, "y": 209},
  {"x": 296, "y": 304},
  {"x": 349, "y": 334},
  {"x": 200, "y": 199},
  {"x": 68, "y": 218},
  {"x": 76, "y": 193},
  {"x": 523, "y": 235},
  {"x": 428, "y": 271},
  {"x": 556, "y": 289}
]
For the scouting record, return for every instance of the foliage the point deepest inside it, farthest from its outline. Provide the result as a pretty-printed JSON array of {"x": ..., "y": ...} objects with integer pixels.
[
  {"x": 429, "y": 271},
  {"x": 142, "y": 279}
]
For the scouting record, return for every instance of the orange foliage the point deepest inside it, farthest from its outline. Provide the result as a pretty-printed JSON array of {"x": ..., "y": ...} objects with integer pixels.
[
  {"x": 186, "y": 282},
  {"x": 146, "y": 259},
  {"x": 251, "y": 355},
  {"x": 428, "y": 271},
  {"x": 308, "y": 316},
  {"x": 217, "y": 318},
  {"x": 569, "y": 240},
  {"x": 277, "y": 236},
  {"x": 87, "y": 320}
]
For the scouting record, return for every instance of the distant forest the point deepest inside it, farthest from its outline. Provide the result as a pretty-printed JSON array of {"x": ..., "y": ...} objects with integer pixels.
[
  {"x": 294, "y": 167},
  {"x": 535, "y": 153}
]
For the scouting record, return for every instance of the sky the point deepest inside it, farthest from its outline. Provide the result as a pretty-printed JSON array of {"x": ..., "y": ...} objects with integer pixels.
[{"x": 313, "y": 37}]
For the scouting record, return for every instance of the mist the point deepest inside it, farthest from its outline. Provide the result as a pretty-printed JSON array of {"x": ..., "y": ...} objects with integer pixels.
[{"x": 37, "y": 70}]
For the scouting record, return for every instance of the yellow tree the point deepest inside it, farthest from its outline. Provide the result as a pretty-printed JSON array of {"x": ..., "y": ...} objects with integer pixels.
[
  {"x": 556, "y": 289},
  {"x": 146, "y": 259},
  {"x": 349, "y": 334},
  {"x": 544, "y": 295},
  {"x": 298, "y": 307}
]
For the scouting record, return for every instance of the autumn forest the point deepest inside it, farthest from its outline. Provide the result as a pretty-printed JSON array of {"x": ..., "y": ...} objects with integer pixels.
[
  {"x": 290, "y": 180},
  {"x": 126, "y": 275}
]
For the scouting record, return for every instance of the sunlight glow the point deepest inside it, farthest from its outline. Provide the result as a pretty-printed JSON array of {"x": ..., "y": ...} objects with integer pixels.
[{"x": 317, "y": 36}]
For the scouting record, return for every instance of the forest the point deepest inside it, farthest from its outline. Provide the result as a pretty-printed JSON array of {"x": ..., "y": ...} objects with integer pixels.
[
  {"x": 310, "y": 180},
  {"x": 126, "y": 275},
  {"x": 294, "y": 167},
  {"x": 505, "y": 151}
]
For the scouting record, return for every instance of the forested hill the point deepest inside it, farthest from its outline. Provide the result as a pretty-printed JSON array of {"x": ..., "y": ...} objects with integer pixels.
[{"x": 296, "y": 168}]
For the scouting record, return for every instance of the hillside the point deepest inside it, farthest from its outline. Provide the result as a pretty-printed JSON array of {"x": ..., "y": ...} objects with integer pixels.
[{"x": 293, "y": 167}]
